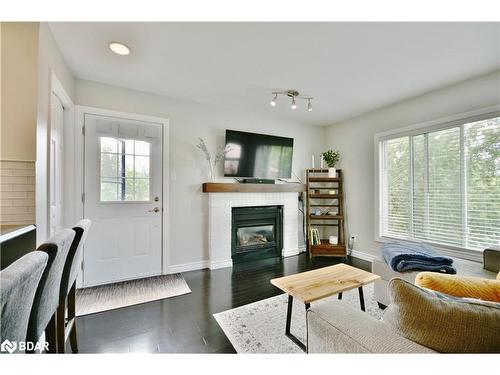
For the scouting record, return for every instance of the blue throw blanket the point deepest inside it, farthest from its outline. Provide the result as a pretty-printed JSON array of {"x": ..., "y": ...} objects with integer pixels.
[{"x": 416, "y": 256}]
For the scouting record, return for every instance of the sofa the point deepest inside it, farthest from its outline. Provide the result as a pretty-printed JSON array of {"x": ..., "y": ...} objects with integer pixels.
[
  {"x": 417, "y": 320},
  {"x": 386, "y": 273},
  {"x": 338, "y": 328}
]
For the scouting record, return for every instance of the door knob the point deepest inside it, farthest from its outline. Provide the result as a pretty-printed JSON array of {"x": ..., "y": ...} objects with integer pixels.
[{"x": 156, "y": 209}]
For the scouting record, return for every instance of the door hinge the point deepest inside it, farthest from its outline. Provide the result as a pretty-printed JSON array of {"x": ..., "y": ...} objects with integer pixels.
[
  {"x": 83, "y": 130},
  {"x": 82, "y": 265},
  {"x": 83, "y": 197}
]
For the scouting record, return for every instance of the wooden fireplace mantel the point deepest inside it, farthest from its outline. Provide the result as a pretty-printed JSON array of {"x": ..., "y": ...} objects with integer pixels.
[{"x": 221, "y": 187}]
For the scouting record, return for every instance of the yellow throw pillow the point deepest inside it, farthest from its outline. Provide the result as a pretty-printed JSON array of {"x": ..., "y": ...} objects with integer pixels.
[{"x": 460, "y": 286}]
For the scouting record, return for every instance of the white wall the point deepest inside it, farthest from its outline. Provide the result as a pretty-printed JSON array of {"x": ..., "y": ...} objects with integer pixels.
[
  {"x": 355, "y": 141},
  {"x": 188, "y": 121},
  {"x": 49, "y": 60}
]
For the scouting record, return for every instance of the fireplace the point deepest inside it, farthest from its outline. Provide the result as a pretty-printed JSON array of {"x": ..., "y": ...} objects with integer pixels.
[{"x": 257, "y": 233}]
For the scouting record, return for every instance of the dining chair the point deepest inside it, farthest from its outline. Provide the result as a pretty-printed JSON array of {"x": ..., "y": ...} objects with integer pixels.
[
  {"x": 66, "y": 328},
  {"x": 18, "y": 285},
  {"x": 43, "y": 312}
]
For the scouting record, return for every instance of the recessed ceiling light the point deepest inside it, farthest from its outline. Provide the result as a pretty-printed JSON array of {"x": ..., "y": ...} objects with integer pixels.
[{"x": 119, "y": 48}]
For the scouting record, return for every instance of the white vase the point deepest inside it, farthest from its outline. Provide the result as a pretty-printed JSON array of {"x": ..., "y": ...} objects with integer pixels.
[
  {"x": 332, "y": 172},
  {"x": 211, "y": 173}
]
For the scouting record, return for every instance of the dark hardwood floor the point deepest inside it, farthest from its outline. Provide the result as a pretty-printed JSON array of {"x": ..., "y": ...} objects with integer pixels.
[{"x": 185, "y": 324}]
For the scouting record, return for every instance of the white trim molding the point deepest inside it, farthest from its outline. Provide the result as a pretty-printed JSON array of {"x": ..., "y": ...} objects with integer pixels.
[
  {"x": 42, "y": 166},
  {"x": 186, "y": 267},
  {"x": 290, "y": 252},
  {"x": 216, "y": 264},
  {"x": 362, "y": 255}
]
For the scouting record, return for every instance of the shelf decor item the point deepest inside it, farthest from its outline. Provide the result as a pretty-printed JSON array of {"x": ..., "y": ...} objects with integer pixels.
[
  {"x": 331, "y": 158},
  {"x": 326, "y": 233},
  {"x": 212, "y": 161}
]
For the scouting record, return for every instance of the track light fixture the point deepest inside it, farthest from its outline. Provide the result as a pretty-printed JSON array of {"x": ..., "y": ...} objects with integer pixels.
[{"x": 293, "y": 94}]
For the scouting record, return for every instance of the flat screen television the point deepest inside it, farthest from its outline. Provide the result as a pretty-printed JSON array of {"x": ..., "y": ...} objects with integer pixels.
[{"x": 258, "y": 155}]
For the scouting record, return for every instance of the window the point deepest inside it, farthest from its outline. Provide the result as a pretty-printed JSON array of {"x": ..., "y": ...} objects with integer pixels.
[
  {"x": 443, "y": 185},
  {"x": 125, "y": 170}
]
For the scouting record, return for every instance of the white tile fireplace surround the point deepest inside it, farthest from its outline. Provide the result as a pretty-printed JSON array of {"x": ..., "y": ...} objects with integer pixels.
[{"x": 220, "y": 207}]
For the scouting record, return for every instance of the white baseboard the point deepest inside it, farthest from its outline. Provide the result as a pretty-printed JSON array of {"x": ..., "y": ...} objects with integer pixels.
[
  {"x": 193, "y": 266},
  {"x": 362, "y": 255},
  {"x": 290, "y": 252},
  {"x": 213, "y": 265},
  {"x": 186, "y": 267}
]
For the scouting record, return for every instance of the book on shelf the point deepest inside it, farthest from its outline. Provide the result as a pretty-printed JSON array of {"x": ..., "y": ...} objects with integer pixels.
[{"x": 314, "y": 236}]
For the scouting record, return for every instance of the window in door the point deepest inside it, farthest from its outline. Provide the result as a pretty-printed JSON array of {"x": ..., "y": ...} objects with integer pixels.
[
  {"x": 124, "y": 170},
  {"x": 443, "y": 186}
]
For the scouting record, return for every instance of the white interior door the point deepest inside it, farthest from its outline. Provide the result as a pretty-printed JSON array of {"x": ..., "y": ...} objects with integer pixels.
[
  {"x": 123, "y": 198},
  {"x": 55, "y": 164}
]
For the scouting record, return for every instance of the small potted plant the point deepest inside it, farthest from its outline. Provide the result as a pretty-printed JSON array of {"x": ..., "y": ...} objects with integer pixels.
[{"x": 331, "y": 159}]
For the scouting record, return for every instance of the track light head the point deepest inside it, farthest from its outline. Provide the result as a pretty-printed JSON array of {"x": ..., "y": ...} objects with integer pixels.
[{"x": 274, "y": 100}]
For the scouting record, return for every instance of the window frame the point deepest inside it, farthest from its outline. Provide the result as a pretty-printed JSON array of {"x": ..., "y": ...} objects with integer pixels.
[
  {"x": 100, "y": 177},
  {"x": 413, "y": 130}
]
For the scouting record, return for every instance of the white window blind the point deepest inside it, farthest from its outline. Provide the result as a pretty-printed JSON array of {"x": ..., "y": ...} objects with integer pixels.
[{"x": 443, "y": 186}]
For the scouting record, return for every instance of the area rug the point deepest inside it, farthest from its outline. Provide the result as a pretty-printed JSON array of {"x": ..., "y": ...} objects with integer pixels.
[
  {"x": 127, "y": 293},
  {"x": 259, "y": 327}
]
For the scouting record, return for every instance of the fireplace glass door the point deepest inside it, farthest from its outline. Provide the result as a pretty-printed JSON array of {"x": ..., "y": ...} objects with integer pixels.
[{"x": 255, "y": 236}]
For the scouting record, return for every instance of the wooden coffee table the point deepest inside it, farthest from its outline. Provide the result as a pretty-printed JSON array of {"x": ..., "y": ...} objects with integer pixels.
[{"x": 324, "y": 282}]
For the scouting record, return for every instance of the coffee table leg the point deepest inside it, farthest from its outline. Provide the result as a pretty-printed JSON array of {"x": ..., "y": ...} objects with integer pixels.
[
  {"x": 297, "y": 342},
  {"x": 340, "y": 295},
  {"x": 361, "y": 298},
  {"x": 289, "y": 315}
]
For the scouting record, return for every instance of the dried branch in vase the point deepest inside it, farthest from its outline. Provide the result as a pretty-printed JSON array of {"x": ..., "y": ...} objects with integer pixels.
[{"x": 212, "y": 162}]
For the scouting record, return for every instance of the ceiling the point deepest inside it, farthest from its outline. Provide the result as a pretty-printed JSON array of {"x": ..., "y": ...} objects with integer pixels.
[{"x": 349, "y": 68}]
